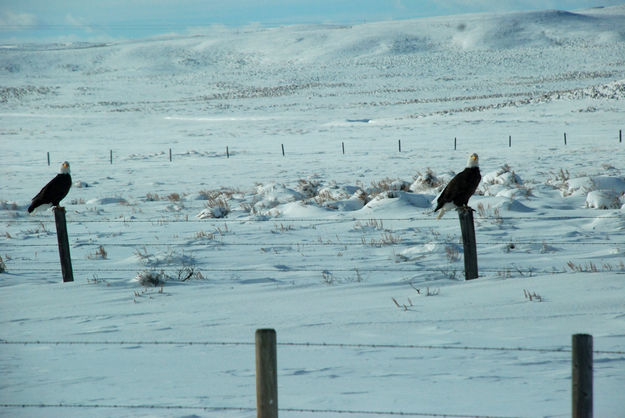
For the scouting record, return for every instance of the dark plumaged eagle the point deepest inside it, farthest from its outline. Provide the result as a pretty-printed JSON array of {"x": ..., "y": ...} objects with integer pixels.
[
  {"x": 52, "y": 193},
  {"x": 460, "y": 188}
]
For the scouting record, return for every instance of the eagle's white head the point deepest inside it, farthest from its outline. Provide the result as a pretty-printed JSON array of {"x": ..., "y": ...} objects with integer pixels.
[
  {"x": 473, "y": 161},
  {"x": 64, "y": 168}
]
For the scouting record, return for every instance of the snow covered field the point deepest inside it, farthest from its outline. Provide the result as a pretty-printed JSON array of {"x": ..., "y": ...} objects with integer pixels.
[{"x": 322, "y": 245}]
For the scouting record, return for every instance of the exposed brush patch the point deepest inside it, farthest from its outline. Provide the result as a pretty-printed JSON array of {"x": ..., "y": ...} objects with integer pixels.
[
  {"x": 100, "y": 253},
  {"x": 387, "y": 238},
  {"x": 151, "y": 278},
  {"x": 376, "y": 224},
  {"x": 589, "y": 267},
  {"x": 426, "y": 181},
  {"x": 452, "y": 253},
  {"x": 217, "y": 208},
  {"x": 491, "y": 214},
  {"x": 308, "y": 188},
  {"x": 532, "y": 296},
  {"x": 4, "y": 205}
]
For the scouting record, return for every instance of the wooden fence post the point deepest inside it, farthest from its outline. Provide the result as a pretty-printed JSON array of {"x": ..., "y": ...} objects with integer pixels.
[
  {"x": 48, "y": 159},
  {"x": 565, "y": 138},
  {"x": 455, "y": 144},
  {"x": 582, "y": 376},
  {"x": 170, "y": 155},
  {"x": 620, "y": 135},
  {"x": 266, "y": 374},
  {"x": 111, "y": 156},
  {"x": 227, "y": 152},
  {"x": 282, "y": 149},
  {"x": 399, "y": 143},
  {"x": 468, "y": 241},
  {"x": 63, "y": 240},
  {"x": 509, "y": 141},
  {"x": 343, "y": 146}
]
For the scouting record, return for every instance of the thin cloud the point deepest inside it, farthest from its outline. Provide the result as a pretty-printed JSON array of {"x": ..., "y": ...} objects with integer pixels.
[{"x": 17, "y": 21}]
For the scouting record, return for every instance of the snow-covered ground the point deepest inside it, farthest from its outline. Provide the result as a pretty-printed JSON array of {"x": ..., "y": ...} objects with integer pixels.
[{"x": 322, "y": 245}]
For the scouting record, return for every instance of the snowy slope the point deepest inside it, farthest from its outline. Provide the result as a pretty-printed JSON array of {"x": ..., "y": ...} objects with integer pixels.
[{"x": 323, "y": 245}]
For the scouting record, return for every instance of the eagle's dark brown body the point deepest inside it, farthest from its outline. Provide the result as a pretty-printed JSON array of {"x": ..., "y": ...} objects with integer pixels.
[{"x": 53, "y": 192}]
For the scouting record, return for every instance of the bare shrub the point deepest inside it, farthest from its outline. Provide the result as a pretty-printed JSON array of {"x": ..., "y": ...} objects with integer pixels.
[
  {"x": 427, "y": 181},
  {"x": 532, "y": 296},
  {"x": 308, "y": 188},
  {"x": 218, "y": 207},
  {"x": 151, "y": 278},
  {"x": 452, "y": 253},
  {"x": 100, "y": 253}
]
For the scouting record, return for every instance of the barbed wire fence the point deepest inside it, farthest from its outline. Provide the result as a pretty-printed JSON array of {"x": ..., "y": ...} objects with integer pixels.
[
  {"x": 160, "y": 222},
  {"x": 339, "y": 346}
]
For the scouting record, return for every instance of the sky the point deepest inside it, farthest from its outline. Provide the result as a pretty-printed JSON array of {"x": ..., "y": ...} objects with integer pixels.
[{"x": 80, "y": 20}]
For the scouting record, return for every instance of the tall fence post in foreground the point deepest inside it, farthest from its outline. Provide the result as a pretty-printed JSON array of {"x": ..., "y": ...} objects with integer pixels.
[
  {"x": 582, "y": 376},
  {"x": 266, "y": 374},
  {"x": 61, "y": 234},
  {"x": 468, "y": 241}
]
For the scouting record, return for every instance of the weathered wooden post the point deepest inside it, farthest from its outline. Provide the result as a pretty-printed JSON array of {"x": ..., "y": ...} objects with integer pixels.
[
  {"x": 343, "y": 146},
  {"x": 509, "y": 141},
  {"x": 63, "y": 240},
  {"x": 266, "y": 374},
  {"x": 48, "y": 158},
  {"x": 111, "y": 156},
  {"x": 455, "y": 143},
  {"x": 468, "y": 241},
  {"x": 582, "y": 376},
  {"x": 282, "y": 149},
  {"x": 620, "y": 136},
  {"x": 227, "y": 152},
  {"x": 399, "y": 143},
  {"x": 170, "y": 155},
  {"x": 565, "y": 138}
]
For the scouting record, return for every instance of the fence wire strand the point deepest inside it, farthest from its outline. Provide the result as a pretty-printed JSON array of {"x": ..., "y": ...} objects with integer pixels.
[
  {"x": 243, "y": 409},
  {"x": 308, "y": 345},
  {"x": 161, "y": 221}
]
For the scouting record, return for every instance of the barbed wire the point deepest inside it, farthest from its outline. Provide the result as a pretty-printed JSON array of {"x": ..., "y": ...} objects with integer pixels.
[
  {"x": 308, "y": 345},
  {"x": 287, "y": 269},
  {"x": 315, "y": 220},
  {"x": 243, "y": 409},
  {"x": 213, "y": 242},
  {"x": 129, "y": 406}
]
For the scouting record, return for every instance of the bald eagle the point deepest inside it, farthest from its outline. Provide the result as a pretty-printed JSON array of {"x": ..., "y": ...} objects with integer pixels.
[
  {"x": 457, "y": 193},
  {"x": 52, "y": 193}
]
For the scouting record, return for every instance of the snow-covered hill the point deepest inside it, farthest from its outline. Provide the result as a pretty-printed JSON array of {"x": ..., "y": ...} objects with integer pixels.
[{"x": 332, "y": 242}]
